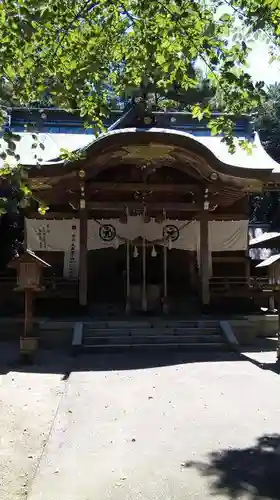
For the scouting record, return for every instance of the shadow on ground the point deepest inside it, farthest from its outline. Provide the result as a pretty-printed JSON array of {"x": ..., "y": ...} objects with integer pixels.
[
  {"x": 253, "y": 471},
  {"x": 61, "y": 361},
  {"x": 54, "y": 361}
]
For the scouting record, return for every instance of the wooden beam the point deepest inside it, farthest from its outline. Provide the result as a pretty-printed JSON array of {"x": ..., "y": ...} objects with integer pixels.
[
  {"x": 134, "y": 205},
  {"x": 75, "y": 215},
  {"x": 227, "y": 217},
  {"x": 223, "y": 260},
  {"x": 83, "y": 259},
  {"x": 71, "y": 184},
  {"x": 83, "y": 216},
  {"x": 72, "y": 199},
  {"x": 131, "y": 187},
  {"x": 69, "y": 191},
  {"x": 204, "y": 258},
  {"x": 54, "y": 215},
  {"x": 227, "y": 259}
]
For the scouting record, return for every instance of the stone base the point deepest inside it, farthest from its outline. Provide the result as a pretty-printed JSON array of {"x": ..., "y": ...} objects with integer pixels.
[
  {"x": 28, "y": 345},
  {"x": 258, "y": 325}
]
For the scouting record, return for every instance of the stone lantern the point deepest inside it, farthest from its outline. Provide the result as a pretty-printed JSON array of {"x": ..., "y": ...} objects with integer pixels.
[{"x": 29, "y": 268}]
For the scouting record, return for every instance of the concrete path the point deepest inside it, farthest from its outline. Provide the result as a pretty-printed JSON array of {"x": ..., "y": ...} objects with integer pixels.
[
  {"x": 265, "y": 358},
  {"x": 196, "y": 429},
  {"x": 28, "y": 404}
]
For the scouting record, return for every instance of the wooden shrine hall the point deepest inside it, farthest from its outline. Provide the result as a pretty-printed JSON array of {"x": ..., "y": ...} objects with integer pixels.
[{"x": 151, "y": 216}]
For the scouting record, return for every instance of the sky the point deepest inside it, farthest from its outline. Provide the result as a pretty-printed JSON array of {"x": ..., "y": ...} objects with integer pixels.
[{"x": 259, "y": 66}]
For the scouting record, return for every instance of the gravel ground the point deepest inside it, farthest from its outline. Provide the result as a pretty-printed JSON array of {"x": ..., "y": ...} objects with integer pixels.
[{"x": 179, "y": 427}]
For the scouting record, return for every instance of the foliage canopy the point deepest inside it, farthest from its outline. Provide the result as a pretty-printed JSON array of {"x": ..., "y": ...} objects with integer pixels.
[{"x": 80, "y": 53}]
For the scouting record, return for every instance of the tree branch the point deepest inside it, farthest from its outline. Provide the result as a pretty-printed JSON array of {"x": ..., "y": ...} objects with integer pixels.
[
  {"x": 245, "y": 17},
  {"x": 128, "y": 14},
  {"x": 89, "y": 5}
]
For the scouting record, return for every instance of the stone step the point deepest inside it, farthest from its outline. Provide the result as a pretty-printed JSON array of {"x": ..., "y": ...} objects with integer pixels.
[
  {"x": 151, "y": 339},
  {"x": 151, "y": 324},
  {"x": 130, "y": 326},
  {"x": 189, "y": 347},
  {"x": 90, "y": 332},
  {"x": 55, "y": 325},
  {"x": 117, "y": 324},
  {"x": 152, "y": 334}
]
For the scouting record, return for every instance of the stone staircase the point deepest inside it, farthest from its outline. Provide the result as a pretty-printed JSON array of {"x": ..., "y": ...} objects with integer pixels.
[{"x": 201, "y": 335}]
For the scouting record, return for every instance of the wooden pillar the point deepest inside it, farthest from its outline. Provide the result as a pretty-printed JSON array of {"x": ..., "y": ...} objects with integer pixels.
[
  {"x": 192, "y": 270},
  {"x": 278, "y": 334},
  {"x": 271, "y": 280},
  {"x": 248, "y": 269},
  {"x": 248, "y": 262},
  {"x": 271, "y": 303},
  {"x": 204, "y": 258},
  {"x": 25, "y": 234},
  {"x": 165, "y": 291},
  {"x": 127, "y": 305},
  {"x": 83, "y": 245},
  {"x": 28, "y": 312},
  {"x": 144, "y": 278}
]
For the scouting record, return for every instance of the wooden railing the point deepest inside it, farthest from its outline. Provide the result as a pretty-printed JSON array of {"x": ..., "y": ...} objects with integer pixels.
[
  {"x": 57, "y": 286},
  {"x": 239, "y": 285},
  {"x": 54, "y": 286},
  {"x": 7, "y": 281},
  {"x": 231, "y": 286}
]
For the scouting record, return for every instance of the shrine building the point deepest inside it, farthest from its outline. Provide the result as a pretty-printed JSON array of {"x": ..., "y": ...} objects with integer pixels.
[{"x": 151, "y": 216}]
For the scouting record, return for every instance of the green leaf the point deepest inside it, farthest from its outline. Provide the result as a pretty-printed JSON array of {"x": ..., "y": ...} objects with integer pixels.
[
  {"x": 42, "y": 209},
  {"x": 160, "y": 59},
  {"x": 25, "y": 190},
  {"x": 197, "y": 112},
  {"x": 10, "y": 72},
  {"x": 226, "y": 17}
]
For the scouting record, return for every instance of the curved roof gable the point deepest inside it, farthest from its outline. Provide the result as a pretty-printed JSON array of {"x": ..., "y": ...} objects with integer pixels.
[
  {"x": 216, "y": 151},
  {"x": 241, "y": 164}
]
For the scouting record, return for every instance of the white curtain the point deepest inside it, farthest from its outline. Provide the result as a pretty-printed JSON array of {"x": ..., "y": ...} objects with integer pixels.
[
  {"x": 56, "y": 235},
  {"x": 61, "y": 235},
  {"x": 135, "y": 228},
  {"x": 52, "y": 235}
]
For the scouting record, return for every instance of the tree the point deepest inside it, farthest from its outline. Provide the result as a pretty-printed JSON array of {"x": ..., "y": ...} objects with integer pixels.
[
  {"x": 78, "y": 51},
  {"x": 268, "y": 121},
  {"x": 259, "y": 15},
  {"x": 266, "y": 207}
]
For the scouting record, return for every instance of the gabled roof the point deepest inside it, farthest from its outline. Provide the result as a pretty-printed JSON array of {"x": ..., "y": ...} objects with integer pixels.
[
  {"x": 260, "y": 251},
  {"x": 265, "y": 237},
  {"x": 175, "y": 125},
  {"x": 270, "y": 261},
  {"x": 53, "y": 143}
]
